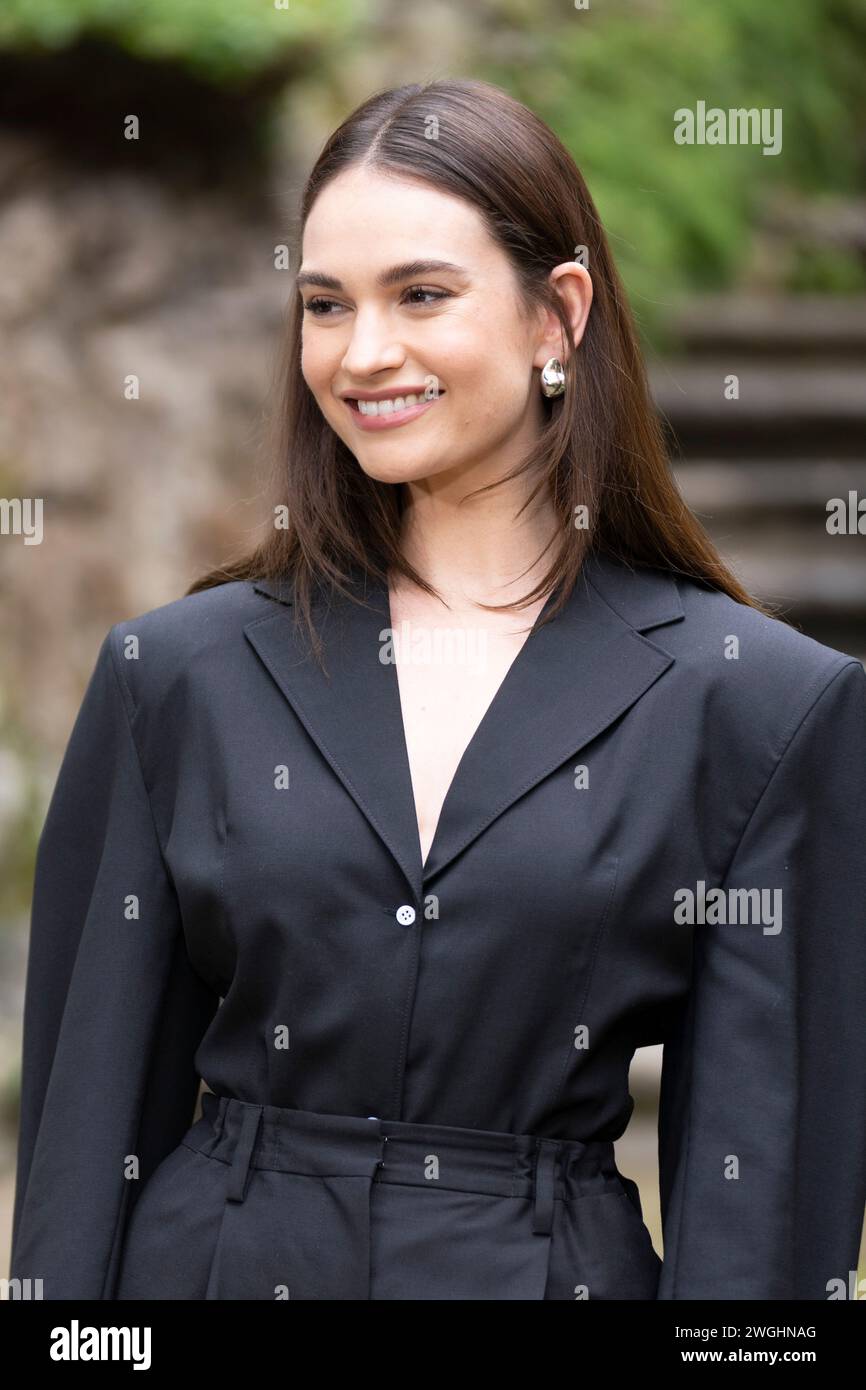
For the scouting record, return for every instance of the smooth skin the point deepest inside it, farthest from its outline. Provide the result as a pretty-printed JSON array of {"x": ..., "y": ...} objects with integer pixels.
[{"x": 462, "y": 330}]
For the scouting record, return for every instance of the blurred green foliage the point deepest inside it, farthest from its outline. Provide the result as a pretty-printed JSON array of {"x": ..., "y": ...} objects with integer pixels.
[
  {"x": 220, "y": 40},
  {"x": 21, "y": 828},
  {"x": 609, "y": 79}
]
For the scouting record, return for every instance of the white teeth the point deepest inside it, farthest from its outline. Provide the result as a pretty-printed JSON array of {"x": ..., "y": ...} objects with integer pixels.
[{"x": 387, "y": 407}]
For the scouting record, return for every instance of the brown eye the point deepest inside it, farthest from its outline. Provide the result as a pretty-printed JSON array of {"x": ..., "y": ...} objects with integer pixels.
[
  {"x": 319, "y": 306},
  {"x": 435, "y": 294}
]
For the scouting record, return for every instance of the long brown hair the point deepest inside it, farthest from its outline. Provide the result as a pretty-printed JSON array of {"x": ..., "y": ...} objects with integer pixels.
[{"x": 602, "y": 446}]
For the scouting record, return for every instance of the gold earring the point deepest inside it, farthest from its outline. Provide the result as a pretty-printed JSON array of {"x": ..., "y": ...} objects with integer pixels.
[{"x": 552, "y": 378}]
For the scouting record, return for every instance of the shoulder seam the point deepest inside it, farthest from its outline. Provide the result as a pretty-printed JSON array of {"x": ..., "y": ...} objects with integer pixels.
[
  {"x": 842, "y": 666},
  {"x": 129, "y": 709},
  {"x": 126, "y": 693}
]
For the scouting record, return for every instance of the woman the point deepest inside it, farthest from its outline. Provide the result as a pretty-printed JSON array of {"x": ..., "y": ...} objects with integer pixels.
[{"x": 409, "y": 910}]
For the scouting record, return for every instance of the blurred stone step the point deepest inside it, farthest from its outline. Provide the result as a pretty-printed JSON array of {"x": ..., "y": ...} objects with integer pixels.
[
  {"x": 815, "y": 581},
  {"x": 757, "y": 325},
  {"x": 754, "y": 487},
  {"x": 828, "y": 221},
  {"x": 801, "y": 575},
  {"x": 829, "y": 392}
]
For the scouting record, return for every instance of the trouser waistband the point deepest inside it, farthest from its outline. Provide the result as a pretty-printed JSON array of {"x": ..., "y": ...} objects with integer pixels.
[{"x": 313, "y": 1143}]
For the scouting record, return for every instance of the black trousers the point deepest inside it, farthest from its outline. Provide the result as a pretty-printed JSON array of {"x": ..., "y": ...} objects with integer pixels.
[{"x": 259, "y": 1202}]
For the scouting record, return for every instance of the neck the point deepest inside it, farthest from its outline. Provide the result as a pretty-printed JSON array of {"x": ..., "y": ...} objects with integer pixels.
[{"x": 480, "y": 550}]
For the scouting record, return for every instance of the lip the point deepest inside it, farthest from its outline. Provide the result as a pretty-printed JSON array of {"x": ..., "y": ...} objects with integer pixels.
[
  {"x": 372, "y": 423},
  {"x": 389, "y": 394}
]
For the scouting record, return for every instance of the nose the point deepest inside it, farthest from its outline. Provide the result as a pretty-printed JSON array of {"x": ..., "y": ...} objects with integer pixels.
[{"x": 373, "y": 347}]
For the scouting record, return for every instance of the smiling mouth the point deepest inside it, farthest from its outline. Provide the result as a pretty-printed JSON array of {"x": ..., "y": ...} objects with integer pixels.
[
  {"x": 377, "y": 415},
  {"x": 388, "y": 406}
]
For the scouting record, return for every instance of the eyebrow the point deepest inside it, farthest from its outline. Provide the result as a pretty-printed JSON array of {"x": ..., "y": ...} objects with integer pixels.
[{"x": 409, "y": 270}]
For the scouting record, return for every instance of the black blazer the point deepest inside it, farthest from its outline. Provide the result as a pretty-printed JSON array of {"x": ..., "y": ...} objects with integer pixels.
[{"x": 232, "y": 836}]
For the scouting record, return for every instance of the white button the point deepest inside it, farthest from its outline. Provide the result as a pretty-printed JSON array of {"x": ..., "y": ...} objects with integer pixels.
[
  {"x": 372, "y": 1117},
  {"x": 405, "y": 915}
]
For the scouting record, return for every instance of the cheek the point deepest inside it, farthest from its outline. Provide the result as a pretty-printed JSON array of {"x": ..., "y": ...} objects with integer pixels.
[
  {"x": 491, "y": 392},
  {"x": 318, "y": 373},
  {"x": 319, "y": 362},
  {"x": 486, "y": 364}
]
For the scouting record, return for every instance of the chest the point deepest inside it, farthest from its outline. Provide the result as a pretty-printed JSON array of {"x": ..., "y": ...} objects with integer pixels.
[{"x": 449, "y": 671}]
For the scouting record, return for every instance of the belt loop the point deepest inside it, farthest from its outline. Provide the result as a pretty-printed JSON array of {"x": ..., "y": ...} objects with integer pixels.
[
  {"x": 545, "y": 1173},
  {"x": 220, "y": 1122},
  {"x": 243, "y": 1153},
  {"x": 209, "y": 1105}
]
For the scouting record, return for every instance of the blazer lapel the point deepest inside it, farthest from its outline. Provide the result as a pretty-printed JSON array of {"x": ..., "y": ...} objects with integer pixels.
[{"x": 569, "y": 681}]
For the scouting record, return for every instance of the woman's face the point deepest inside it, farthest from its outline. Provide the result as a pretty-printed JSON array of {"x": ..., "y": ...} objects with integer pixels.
[{"x": 374, "y": 324}]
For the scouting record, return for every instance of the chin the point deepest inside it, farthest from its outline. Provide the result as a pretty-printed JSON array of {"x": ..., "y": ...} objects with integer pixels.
[{"x": 399, "y": 472}]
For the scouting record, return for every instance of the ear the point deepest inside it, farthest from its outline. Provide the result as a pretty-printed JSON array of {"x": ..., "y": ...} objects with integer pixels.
[{"x": 573, "y": 284}]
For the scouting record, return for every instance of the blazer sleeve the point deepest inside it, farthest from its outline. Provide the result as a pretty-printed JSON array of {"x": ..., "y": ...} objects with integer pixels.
[
  {"x": 762, "y": 1111},
  {"x": 113, "y": 1011}
]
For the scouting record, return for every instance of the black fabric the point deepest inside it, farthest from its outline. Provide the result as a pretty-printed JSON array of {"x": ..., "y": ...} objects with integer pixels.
[
  {"x": 229, "y": 886},
  {"x": 309, "y": 1206}
]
